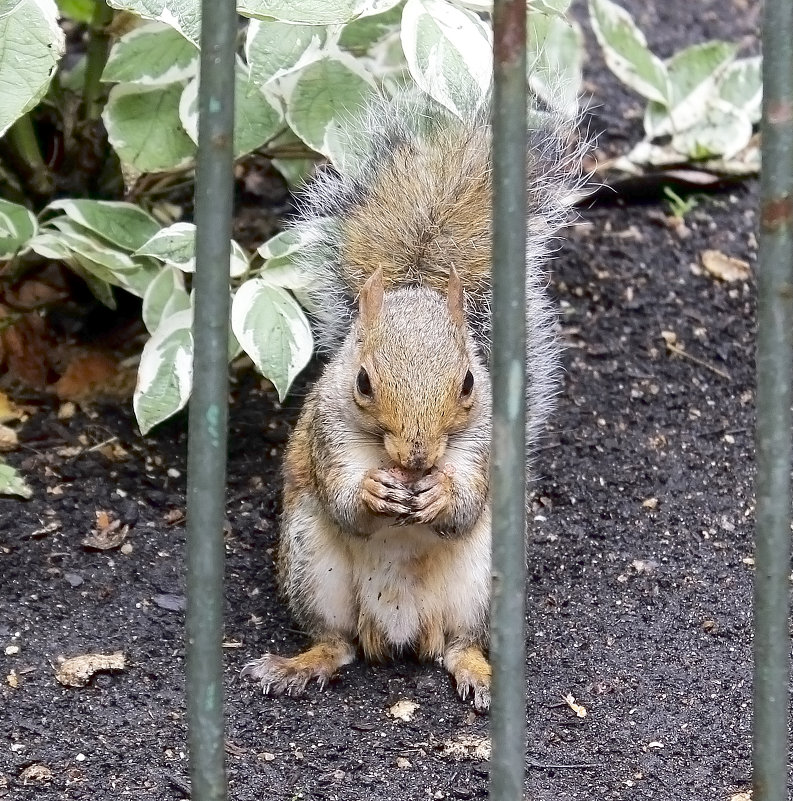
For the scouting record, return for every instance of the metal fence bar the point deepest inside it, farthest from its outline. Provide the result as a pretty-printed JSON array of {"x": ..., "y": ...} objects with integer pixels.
[
  {"x": 508, "y": 472},
  {"x": 774, "y": 363},
  {"x": 206, "y": 467}
]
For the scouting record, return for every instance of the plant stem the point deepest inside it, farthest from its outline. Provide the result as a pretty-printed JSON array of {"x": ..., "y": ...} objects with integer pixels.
[
  {"x": 23, "y": 141},
  {"x": 96, "y": 58}
]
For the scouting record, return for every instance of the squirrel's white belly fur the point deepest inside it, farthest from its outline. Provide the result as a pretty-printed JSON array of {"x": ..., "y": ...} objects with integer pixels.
[{"x": 400, "y": 577}]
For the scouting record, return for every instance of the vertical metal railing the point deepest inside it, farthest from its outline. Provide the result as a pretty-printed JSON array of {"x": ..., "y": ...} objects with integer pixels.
[
  {"x": 774, "y": 365},
  {"x": 206, "y": 469},
  {"x": 508, "y": 472}
]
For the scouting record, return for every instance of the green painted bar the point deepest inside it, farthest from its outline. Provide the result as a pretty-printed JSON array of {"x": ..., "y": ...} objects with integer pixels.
[
  {"x": 774, "y": 363},
  {"x": 508, "y": 471},
  {"x": 206, "y": 469}
]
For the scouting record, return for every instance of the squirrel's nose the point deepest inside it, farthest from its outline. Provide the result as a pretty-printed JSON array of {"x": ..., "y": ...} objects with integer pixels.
[
  {"x": 417, "y": 458},
  {"x": 415, "y": 455}
]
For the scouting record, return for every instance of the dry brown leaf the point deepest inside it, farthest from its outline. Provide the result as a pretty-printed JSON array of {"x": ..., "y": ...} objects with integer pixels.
[
  {"x": 724, "y": 267},
  {"x": 26, "y": 349},
  {"x": 109, "y": 533},
  {"x": 76, "y": 671},
  {"x": 468, "y": 746},
  {"x": 8, "y": 438},
  {"x": 112, "y": 451},
  {"x": 12, "y": 679},
  {"x": 403, "y": 710},
  {"x": 36, "y": 774},
  {"x": 32, "y": 294},
  {"x": 9, "y": 410},
  {"x": 91, "y": 375},
  {"x": 747, "y": 796},
  {"x": 579, "y": 710}
]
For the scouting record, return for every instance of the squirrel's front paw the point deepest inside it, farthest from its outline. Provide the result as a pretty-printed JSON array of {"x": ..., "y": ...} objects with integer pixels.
[
  {"x": 385, "y": 494},
  {"x": 431, "y": 496},
  {"x": 472, "y": 674},
  {"x": 291, "y": 674}
]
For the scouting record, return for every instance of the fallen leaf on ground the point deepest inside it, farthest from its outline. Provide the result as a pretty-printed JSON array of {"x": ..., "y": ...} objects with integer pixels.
[
  {"x": 403, "y": 710},
  {"x": 36, "y": 774},
  {"x": 26, "y": 349},
  {"x": 747, "y": 796},
  {"x": 76, "y": 671},
  {"x": 91, "y": 375},
  {"x": 724, "y": 267},
  {"x": 579, "y": 710},
  {"x": 109, "y": 533},
  {"x": 468, "y": 746},
  {"x": 8, "y": 438},
  {"x": 9, "y": 410}
]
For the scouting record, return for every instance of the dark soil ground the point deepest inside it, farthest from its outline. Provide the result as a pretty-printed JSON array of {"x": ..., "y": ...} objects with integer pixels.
[{"x": 640, "y": 570}]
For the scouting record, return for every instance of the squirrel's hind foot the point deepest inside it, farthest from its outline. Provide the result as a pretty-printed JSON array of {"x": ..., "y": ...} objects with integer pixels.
[
  {"x": 292, "y": 674},
  {"x": 471, "y": 673}
]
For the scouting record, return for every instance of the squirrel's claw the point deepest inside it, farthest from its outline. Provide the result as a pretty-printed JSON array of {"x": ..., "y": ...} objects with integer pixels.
[
  {"x": 430, "y": 498},
  {"x": 280, "y": 675},
  {"x": 477, "y": 686},
  {"x": 292, "y": 674},
  {"x": 385, "y": 495}
]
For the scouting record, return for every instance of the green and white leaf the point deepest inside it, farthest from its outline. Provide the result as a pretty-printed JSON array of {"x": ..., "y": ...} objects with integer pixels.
[
  {"x": 741, "y": 85},
  {"x": 555, "y": 54},
  {"x": 322, "y": 97},
  {"x": 166, "y": 295},
  {"x": 122, "y": 224},
  {"x": 274, "y": 49},
  {"x": 11, "y": 483},
  {"x": 52, "y": 245},
  {"x": 558, "y": 7},
  {"x": 281, "y": 267},
  {"x": 181, "y": 15},
  {"x": 359, "y": 36},
  {"x": 31, "y": 44},
  {"x": 724, "y": 131},
  {"x": 165, "y": 374},
  {"x": 273, "y": 331},
  {"x": 449, "y": 53},
  {"x": 694, "y": 74},
  {"x": 175, "y": 246},
  {"x": 313, "y": 12},
  {"x": 101, "y": 290},
  {"x": 626, "y": 52},
  {"x": 78, "y": 10},
  {"x": 144, "y": 128},
  {"x": 295, "y": 170},
  {"x": 17, "y": 228},
  {"x": 102, "y": 260},
  {"x": 284, "y": 243},
  {"x": 257, "y": 116},
  {"x": 153, "y": 55}
]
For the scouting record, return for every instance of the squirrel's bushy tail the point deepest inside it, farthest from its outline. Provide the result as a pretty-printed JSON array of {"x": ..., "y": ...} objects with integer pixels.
[{"x": 414, "y": 198}]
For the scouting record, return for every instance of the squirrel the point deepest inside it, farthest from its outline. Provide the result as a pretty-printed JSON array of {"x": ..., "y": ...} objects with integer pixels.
[{"x": 385, "y": 535}]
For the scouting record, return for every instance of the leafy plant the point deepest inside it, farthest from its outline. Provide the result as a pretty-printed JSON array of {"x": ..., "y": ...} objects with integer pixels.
[
  {"x": 303, "y": 71},
  {"x": 702, "y": 102}
]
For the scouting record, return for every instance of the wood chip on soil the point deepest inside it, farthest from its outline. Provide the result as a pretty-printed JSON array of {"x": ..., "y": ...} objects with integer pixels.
[{"x": 76, "y": 671}]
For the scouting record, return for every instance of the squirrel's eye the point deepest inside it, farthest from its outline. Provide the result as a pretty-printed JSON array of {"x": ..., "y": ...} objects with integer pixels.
[
  {"x": 468, "y": 384},
  {"x": 363, "y": 384}
]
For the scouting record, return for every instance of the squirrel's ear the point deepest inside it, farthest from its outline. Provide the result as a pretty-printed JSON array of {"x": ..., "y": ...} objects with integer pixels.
[
  {"x": 370, "y": 299},
  {"x": 455, "y": 298}
]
